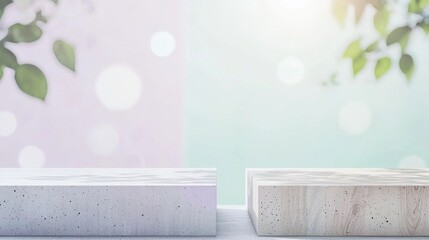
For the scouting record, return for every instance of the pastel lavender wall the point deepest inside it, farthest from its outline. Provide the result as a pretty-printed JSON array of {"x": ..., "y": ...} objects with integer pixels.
[{"x": 73, "y": 128}]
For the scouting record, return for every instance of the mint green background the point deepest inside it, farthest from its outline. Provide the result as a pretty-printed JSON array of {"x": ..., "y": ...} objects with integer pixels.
[{"x": 239, "y": 114}]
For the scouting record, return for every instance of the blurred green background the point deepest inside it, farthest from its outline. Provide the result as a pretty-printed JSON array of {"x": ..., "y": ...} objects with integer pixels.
[{"x": 243, "y": 110}]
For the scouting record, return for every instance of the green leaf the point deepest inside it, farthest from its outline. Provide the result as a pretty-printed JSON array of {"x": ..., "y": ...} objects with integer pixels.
[
  {"x": 339, "y": 9},
  {"x": 358, "y": 64},
  {"x": 65, "y": 54},
  {"x": 32, "y": 81},
  {"x": 413, "y": 6},
  {"x": 354, "y": 50},
  {"x": 399, "y": 35},
  {"x": 406, "y": 64},
  {"x": 7, "y": 58},
  {"x": 424, "y": 26},
  {"x": 417, "y": 6},
  {"x": 381, "y": 20},
  {"x": 372, "y": 47},
  {"x": 24, "y": 33},
  {"x": 423, "y": 4},
  {"x": 1, "y": 72},
  {"x": 382, "y": 66},
  {"x": 3, "y": 5}
]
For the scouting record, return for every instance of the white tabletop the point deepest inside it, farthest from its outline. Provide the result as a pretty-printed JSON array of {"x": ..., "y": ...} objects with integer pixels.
[{"x": 107, "y": 177}]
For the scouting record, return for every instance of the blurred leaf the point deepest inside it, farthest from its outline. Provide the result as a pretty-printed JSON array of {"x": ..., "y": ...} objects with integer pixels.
[
  {"x": 1, "y": 72},
  {"x": 372, "y": 47},
  {"x": 381, "y": 20},
  {"x": 424, "y": 26},
  {"x": 339, "y": 9},
  {"x": 406, "y": 64},
  {"x": 333, "y": 79},
  {"x": 413, "y": 6},
  {"x": 358, "y": 64},
  {"x": 404, "y": 42},
  {"x": 423, "y": 4},
  {"x": 382, "y": 66},
  {"x": 24, "y": 33},
  {"x": 65, "y": 54},
  {"x": 3, "y": 5},
  {"x": 55, "y": 1},
  {"x": 354, "y": 50},
  {"x": 40, "y": 17},
  {"x": 399, "y": 35},
  {"x": 7, "y": 58},
  {"x": 32, "y": 81},
  {"x": 417, "y": 6}
]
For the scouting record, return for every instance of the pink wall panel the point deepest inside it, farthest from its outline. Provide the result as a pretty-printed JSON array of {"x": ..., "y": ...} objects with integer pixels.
[{"x": 73, "y": 127}]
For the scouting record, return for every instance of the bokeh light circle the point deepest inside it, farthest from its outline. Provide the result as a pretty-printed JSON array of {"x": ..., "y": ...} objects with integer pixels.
[
  {"x": 31, "y": 157},
  {"x": 118, "y": 87},
  {"x": 355, "y": 118},
  {"x": 103, "y": 139},
  {"x": 162, "y": 44},
  {"x": 8, "y": 123},
  {"x": 412, "y": 161},
  {"x": 290, "y": 70}
]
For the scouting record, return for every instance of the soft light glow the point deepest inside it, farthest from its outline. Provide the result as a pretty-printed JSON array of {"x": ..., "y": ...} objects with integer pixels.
[
  {"x": 118, "y": 88},
  {"x": 103, "y": 139},
  {"x": 290, "y": 70},
  {"x": 162, "y": 44},
  {"x": 412, "y": 161},
  {"x": 31, "y": 157},
  {"x": 7, "y": 123},
  {"x": 301, "y": 13},
  {"x": 355, "y": 118}
]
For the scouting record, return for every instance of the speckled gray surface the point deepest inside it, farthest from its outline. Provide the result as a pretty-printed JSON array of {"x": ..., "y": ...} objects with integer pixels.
[
  {"x": 339, "y": 202},
  {"x": 233, "y": 224},
  {"x": 108, "y": 202}
]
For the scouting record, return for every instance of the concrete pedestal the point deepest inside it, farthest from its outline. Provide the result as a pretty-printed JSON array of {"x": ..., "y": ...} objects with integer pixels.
[
  {"x": 339, "y": 202},
  {"x": 107, "y": 202}
]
